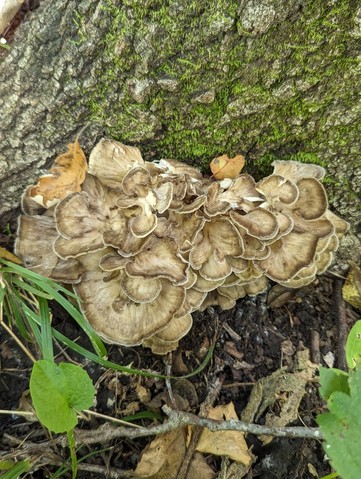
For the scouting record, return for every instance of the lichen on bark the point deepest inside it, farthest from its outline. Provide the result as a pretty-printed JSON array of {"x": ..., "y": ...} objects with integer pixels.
[{"x": 190, "y": 80}]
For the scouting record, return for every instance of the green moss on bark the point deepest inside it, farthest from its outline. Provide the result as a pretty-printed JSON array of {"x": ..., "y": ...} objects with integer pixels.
[{"x": 192, "y": 80}]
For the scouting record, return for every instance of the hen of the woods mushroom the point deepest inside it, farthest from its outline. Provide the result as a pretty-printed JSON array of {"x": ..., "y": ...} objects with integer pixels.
[{"x": 146, "y": 244}]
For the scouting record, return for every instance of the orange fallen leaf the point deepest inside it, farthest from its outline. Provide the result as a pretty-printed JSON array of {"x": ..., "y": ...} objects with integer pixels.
[
  {"x": 65, "y": 177},
  {"x": 223, "y": 167}
]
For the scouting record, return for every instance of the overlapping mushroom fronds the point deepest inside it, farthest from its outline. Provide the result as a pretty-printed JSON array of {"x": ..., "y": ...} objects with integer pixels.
[{"x": 146, "y": 244}]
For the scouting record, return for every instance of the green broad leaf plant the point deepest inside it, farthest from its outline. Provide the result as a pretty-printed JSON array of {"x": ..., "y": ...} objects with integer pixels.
[
  {"x": 59, "y": 392},
  {"x": 341, "y": 426}
]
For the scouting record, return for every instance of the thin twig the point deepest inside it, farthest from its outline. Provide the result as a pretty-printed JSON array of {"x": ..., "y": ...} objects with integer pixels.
[
  {"x": 177, "y": 419},
  {"x": 168, "y": 372},
  {"x": 17, "y": 340},
  {"x": 18, "y": 413},
  {"x": 110, "y": 418},
  {"x": 109, "y": 472},
  {"x": 197, "y": 431},
  {"x": 33, "y": 416}
]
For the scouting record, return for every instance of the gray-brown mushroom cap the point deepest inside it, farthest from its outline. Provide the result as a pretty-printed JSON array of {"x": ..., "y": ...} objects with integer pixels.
[
  {"x": 159, "y": 259},
  {"x": 179, "y": 168},
  {"x": 81, "y": 219},
  {"x": 253, "y": 248},
  {"x": 140, "y": 289},
  {"x": 294, "y": 170},
  {"x": 276, "y": 189},
  {"x": 312, "y": 200},
  {"x": 136, "y": 182},
  {"x": 341, "y": 226},
  {"x": 218, "y": 235},
  {"x": 110, "y": 161},
  {"x": 237, "y": 291},
  {"x": 34, "y": 246},
  {"x": 285, "y": 259},
  {"x": 80, "y": 231},
  {"x": 241, "y": 193},
  {"x": 213, "y": 205},
  {"x": 216, "y": 267},
  {"x": 168, "y": 338},
  {"x": 119, "y": 320},
  {"x": 259, "y": 222},
  {"x": 203, "y": 285}
]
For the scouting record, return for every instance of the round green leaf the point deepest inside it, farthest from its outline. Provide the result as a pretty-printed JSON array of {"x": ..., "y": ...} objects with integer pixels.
[
  {"x": 58, "y": 393},
  {"x": 353, "y": 346}
]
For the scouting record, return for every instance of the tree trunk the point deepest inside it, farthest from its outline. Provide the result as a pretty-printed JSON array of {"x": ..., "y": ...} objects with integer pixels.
[{"x": 189, "y": 80}]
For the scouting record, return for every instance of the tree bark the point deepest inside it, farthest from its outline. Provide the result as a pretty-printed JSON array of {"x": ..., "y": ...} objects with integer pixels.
[{"x": 189, "y": 80}]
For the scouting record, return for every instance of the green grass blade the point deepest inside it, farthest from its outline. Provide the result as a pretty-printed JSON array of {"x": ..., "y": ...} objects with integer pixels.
[
  {"x": 203, "y": 363},
  {"x": 30, "y": 289},
  {"x": 46, "y": 333},
  {"x": 117, "y": 367},
  {"x": 66, "y": 467},
  {"x": 74, "y": 462},
  {"x": 54, "y": 292},
  {"x": 79, "y": 318},
  {"x": 15, "y": 471},
  {"x": 23, "y": 272},
  {"x": 15, "y": 315},
  {"x": 103, "y": 362},
  {"x": 34, "y": 323},
  {"x": 2, "y": 294}
]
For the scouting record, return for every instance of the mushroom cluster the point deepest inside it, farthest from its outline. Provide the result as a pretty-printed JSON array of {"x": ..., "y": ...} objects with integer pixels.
[{"x": 146, "y": 244}]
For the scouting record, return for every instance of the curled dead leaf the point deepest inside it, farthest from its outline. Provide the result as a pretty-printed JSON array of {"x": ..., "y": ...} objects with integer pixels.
[
  {"x": 224, "y": 167},
  {"x": 65, "y": 177}
]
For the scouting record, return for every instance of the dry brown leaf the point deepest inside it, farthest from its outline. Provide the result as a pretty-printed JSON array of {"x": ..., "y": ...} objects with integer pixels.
[
  {"x": 5, "y": 254},
  {"x": 285, "y": 388},
  {"x": 351, "y": 290},
  {"x": 162, "y": 458},
  {"x": 224, "y": 167},
  {"x": 65, "y": 177},
  {"x": 142, "y": 393},
  {"x": 225, "y": 443},
  {"x": 232, "y": 470}
]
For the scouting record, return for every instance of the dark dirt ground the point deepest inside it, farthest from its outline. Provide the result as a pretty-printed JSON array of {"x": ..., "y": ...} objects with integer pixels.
[{"x": 252, "y": 341}]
